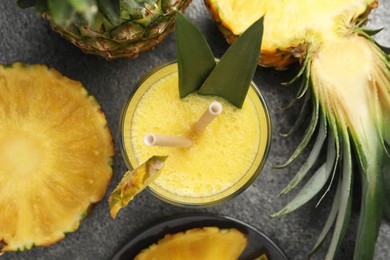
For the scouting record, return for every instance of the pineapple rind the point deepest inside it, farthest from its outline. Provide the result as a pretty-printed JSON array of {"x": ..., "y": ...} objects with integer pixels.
[
  {"x": 42, "y": 198},
  {"x": 302, "y": 26},
  {"x": 143, "y": 25},
  {"x": 207, "y": 243},
  {"x": 134, "y": 182}
]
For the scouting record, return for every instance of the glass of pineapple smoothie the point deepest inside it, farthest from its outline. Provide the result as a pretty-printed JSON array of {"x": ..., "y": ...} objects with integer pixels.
[{"x": 225, "y": 158}]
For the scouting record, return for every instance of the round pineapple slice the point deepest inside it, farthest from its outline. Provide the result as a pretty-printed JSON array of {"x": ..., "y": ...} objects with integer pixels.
[{"x": 55, "y": 155}]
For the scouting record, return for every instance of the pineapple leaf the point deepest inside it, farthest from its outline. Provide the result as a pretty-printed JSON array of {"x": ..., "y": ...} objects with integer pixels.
[
  {"x": 231, "y": 77},
  {"x": 366, "y": 33},
  {"x": 301, "y": 116},
  {"x": 337, "y": 149},
  {"x": 301, "y": 71},
  {"x": 306, "y": 139},
  {"x": 372, "y": 203},
  {"x": 314, "y": 185},
  {"x": 81, "y": 5},
  {"x": 41, "y": 6},
  {"x": 309, "y": 163},
  {"x": 26, "y": 3},
  {"x": 111, "y": 10},
  {"x": 305, "y": 84},
  {"x": 194, "y": 56},
  {"x": 87, "y": 8},
  {"x": 330, "y": 221},
  {"x": 345, "y": 201},
  {"x": 372, "y": 32},
  {"x": 384, "y": 49},
  {"x": 386, "y": 182},
  {"x": 60, "y": 11}
]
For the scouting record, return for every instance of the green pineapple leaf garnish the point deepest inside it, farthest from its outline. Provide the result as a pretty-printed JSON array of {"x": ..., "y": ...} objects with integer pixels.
[
  {"x": 133, "y": 182},
  {"x": 194, "y": 57},
  {"x": 230, "y": 78}
]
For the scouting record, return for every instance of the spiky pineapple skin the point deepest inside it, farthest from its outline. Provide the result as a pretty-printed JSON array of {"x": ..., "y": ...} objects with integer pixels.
[{"x": 140, "y": 29}]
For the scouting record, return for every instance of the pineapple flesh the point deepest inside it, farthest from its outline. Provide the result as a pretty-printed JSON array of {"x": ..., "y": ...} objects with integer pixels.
[
  {"x": 133, "y": 182},
  {"x": 290, "y": 27},
  {"x": 345, "y": 76},
  {"x": 207, "y": 243},
  {"x": 55, "y": 157},
  {"x": 140, "y": 27}
]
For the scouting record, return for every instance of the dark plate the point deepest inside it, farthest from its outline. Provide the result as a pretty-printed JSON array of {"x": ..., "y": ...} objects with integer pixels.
[{"x": 258, "y": 243}]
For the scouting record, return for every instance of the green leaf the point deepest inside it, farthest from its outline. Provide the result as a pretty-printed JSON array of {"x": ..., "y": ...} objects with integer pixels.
[
  {"x": 371, "y": 211},
  {"x": 385, "y": 49},
  {"x": 111, "y": 10},
  {"x": 61, "y": 11},
  {"x": 301, "y": 116},
  {"x": 305, "y": 84},
  {"x": 386, "y": 182},
  {"x": 87, "y": 8},
  {"x": 369, "y": 33},
  {"x": 231, "y": 77},
  {"x": 309, "y": 163},
  {"x": 81, "y": 5},
  {"x": 372, "y": 32},
  {"x": 345, "y": 203},
  {"x": 301, "y": 71},
  {"x": 194, "y": 56},
  {"x": 308, "y": 135},
  {"x": 314, "y": 185},
  {"x": 40, "y": 5},
  {"x": 330, "y": 221},
  {"x": 26, "y": 3}
]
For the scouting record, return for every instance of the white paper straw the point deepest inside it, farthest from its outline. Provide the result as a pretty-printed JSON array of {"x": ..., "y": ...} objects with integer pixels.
[
  {"x": 167, "y": 140},
  {"x": 213, "y": 110}
]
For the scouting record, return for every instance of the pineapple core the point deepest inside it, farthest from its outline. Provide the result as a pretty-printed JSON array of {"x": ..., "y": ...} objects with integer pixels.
[{"x": 22, "y": 155}]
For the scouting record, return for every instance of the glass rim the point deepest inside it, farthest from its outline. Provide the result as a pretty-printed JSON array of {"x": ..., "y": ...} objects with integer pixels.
[{"x": 217, "y": 201}]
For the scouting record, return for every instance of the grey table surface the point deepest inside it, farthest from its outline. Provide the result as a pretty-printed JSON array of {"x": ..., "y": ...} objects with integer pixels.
[{"x": 25, "y": 37}]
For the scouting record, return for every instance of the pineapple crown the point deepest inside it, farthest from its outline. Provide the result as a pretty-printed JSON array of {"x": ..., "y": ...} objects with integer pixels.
[{"x": 64, "y": 12}]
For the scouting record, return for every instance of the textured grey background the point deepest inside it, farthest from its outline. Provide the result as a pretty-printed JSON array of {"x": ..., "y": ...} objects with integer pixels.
[{"x": 27, "y": 38}]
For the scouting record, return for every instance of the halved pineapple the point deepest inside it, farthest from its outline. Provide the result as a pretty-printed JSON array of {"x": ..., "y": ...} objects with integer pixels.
[
  {"x": 291, "y": 28},
  {"x": 346, "y": 78},
  {"x": 207, "y": 243},
  {"x": 55, "y": 155}
]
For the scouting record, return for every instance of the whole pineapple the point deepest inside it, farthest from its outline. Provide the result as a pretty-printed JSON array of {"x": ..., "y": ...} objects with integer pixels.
[
  {"x": 111, "y": 29},
  {"x": 346, "y": 80}
]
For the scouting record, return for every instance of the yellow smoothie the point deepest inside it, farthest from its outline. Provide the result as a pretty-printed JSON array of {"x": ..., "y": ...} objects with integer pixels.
[{"x": 223, "y": 159}]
